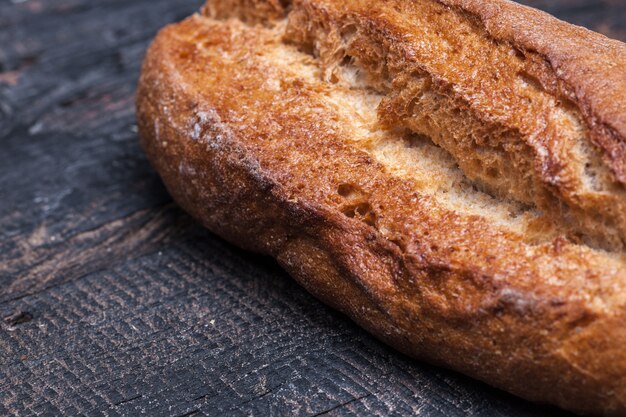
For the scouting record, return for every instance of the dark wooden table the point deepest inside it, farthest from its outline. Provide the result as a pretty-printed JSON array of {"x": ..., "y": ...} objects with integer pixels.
[{"x": 114, "y": 302}]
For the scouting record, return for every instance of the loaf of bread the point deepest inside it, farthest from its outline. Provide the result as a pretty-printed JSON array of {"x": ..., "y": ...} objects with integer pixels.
[{"x": 451, "y": 174}]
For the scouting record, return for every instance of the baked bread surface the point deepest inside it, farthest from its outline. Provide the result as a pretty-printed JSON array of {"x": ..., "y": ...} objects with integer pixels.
[
  {"x": 263, "y": 130},
  {"x": 531, "y": 108}
]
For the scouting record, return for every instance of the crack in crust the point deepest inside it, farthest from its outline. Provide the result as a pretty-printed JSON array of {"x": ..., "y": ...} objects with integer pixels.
[
  {"x": 511, "y": 125},
  {"x": 506, "y": 113}
]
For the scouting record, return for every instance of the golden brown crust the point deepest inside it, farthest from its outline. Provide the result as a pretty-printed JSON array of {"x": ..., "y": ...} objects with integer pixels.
[
  {"x": 585, "y": 66},
  {"x": 505, "y": 111},
  {"x": 251, "y": 11},
  {"x": 256, "y": 152},
  {"x": 589, "y": 65}
]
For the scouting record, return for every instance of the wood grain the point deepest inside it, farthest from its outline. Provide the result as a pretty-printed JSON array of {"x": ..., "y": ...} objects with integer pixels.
[{"x": 114, "y": 302}]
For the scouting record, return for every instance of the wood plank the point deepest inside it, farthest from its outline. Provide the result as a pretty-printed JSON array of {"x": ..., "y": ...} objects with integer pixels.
[{"x": 115, "y": 302}]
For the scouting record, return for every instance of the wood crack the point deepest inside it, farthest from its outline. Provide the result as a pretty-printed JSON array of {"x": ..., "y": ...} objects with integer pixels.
[
  {"x": 127, "y": 400},
  {"x": 344, "y": 404}
]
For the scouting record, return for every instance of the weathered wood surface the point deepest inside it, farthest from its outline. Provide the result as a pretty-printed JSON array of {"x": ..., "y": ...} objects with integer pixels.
[{"x": 114, "y": 302}]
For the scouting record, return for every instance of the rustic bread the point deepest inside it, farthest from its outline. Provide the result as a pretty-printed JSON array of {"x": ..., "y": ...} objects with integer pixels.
[{"x": 440, "y": 171}]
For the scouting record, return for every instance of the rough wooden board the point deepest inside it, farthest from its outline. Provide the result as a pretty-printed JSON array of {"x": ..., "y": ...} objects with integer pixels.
[{"x": 114, "y": 302}]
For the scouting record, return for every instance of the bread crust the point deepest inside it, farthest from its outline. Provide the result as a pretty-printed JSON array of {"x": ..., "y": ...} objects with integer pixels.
[
  {"x": 544, "y": 321},
  {"x": 509, "y": 114},
  {"x": 588, "y": 66}
]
